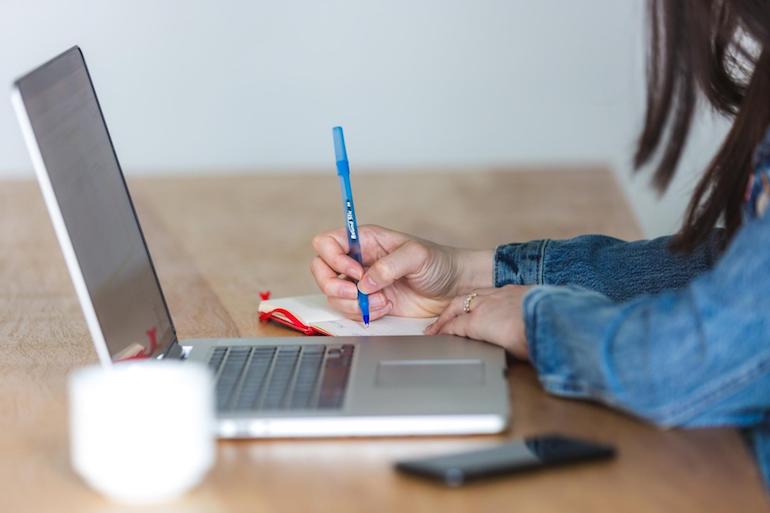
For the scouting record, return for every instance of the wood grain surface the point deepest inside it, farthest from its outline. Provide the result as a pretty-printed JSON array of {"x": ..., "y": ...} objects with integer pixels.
[{"x": 218, "y": 240}]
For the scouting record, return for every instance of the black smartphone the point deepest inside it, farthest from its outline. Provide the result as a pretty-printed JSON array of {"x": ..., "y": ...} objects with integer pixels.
[{"x": 528, "y": 454}]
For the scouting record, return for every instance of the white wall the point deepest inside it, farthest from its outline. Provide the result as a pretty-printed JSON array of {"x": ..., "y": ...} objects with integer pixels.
[{"x": 197, "y": 86}]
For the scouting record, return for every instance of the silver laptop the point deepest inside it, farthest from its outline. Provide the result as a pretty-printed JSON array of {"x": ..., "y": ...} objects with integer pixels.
[{"x": 265, "y": 387}]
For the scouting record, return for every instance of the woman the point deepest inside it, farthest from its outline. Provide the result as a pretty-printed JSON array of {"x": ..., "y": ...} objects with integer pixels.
[{"x": 675, "y": 330}]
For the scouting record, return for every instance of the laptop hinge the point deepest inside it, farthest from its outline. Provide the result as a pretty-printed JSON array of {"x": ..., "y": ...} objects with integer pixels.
[{"x": 174, "y": 352}]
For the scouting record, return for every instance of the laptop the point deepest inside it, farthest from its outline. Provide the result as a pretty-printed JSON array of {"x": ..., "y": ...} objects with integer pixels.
[{"x": 265, "y": 387}]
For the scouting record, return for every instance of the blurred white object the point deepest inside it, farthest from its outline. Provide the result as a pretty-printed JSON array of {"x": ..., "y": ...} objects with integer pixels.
[{"x": 142, "y": 431}]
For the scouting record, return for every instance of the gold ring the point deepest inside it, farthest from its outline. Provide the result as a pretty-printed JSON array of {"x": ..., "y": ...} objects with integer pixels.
[{"x": 467, "y": 302}]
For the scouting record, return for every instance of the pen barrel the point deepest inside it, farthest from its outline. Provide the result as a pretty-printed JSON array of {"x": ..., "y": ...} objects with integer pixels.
[
  {"x": 363, "y": 304},
  {"x": 355, "y": 252},
  {"x": 343, "y": 167},
  {"x": 351, "y": 223},
  {"x": 363, "y": 301}
]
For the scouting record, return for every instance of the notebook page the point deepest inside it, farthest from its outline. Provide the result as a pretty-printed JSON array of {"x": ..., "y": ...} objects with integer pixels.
[
  {"x": 310, "y": 310},
  {"x": 388, "y": 325},
  {"x": 313, "y": 310}
]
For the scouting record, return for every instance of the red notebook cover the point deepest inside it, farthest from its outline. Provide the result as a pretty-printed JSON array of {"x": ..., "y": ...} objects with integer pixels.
[{"x": 286, "y": 318}]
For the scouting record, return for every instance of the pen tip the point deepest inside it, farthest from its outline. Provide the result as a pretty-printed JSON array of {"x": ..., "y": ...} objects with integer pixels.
[{"x": 366, "y": 320}]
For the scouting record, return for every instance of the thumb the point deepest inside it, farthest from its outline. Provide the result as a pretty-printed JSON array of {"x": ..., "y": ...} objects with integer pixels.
[{"x": 406, "y": 259}]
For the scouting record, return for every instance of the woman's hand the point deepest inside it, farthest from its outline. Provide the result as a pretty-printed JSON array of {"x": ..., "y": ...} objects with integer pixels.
[
  {"x": 403, "y": 275},
  {"x": 495, "y": 316}
]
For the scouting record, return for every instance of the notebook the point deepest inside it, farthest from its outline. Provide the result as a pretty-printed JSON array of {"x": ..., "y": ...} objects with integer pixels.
[{"x": 313, "y": 316}]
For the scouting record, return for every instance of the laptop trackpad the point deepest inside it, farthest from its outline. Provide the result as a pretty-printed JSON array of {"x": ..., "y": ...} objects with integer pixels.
[{"x": 429, "y": 373}]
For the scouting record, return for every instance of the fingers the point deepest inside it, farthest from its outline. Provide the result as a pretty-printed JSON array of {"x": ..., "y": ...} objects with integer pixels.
[
  {"x": 458, "y": 326},
  {"x": 379, "y": 306},
  {"x": 456, "y": 308},
  {"x": 332, "y": 247},
  {"x": 329, "y": 281},
  {"x": 342, "y": 295},
  {"x": 453, "y": 309},
  {"x": 406, "y": 259}
]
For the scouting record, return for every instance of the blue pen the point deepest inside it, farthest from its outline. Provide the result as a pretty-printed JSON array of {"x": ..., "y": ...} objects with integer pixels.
[{"x": 343, "y": 171}]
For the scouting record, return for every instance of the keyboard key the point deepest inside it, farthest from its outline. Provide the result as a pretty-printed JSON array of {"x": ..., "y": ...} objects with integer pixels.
[
  {"x": 307, "y": 378},
  {"x": 283, "y": 371},
  {"x": 254, "y": 380},
  {"x": 217, "y": 357},
  {"x": 230, "y": 374},
  {"x": 335, "y": 379}
]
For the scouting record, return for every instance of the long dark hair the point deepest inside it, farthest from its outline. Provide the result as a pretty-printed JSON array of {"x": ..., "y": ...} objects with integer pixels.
[{"x": 720, "y": 49}]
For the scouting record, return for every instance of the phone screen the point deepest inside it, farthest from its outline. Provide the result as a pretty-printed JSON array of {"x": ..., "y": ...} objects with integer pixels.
[{"x": 530, "y": 453}]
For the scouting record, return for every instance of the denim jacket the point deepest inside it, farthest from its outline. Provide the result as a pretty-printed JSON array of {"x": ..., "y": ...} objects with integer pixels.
[{"x": 677, "y": 339}]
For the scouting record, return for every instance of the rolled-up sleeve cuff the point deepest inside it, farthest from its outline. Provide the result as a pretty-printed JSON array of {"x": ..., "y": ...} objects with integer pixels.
[
  {"x": 529, "y": 307},
  {"x": 559, "y": 349},
  {"x": 520, "y": 263}
]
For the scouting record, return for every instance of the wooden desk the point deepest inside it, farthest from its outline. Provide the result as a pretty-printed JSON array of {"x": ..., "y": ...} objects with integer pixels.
[{"x": 218, "y": 240}]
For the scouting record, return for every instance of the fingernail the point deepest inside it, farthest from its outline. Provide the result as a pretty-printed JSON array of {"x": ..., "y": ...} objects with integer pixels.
[
  {"x": 367, "y": 285},
  {"x": 354, "y": 273}
]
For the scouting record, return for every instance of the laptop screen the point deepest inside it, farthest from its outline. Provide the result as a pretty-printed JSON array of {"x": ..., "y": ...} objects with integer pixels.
[{"x": 74, "y": 149}]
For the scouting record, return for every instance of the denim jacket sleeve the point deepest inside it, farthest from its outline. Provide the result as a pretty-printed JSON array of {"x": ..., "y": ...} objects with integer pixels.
[
  {"x": 620, "y": 270},
  {"x": 694, "y": 356}
]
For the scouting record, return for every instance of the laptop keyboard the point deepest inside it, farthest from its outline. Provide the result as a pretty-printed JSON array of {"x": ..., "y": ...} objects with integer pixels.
[{"x": 310, "y": 377}]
